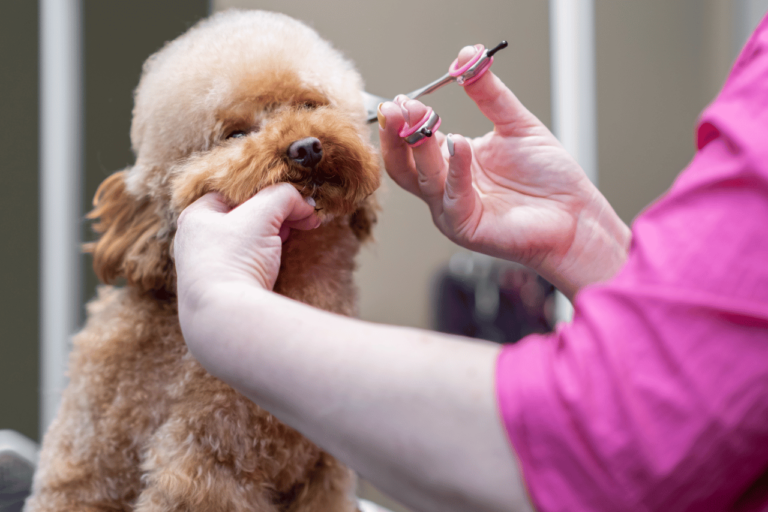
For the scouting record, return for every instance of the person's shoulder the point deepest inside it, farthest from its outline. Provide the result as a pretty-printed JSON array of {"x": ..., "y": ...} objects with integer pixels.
[{"x": 739, "y": 113}]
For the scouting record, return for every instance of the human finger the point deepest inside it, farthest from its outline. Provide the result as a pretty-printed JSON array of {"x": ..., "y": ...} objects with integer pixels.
[
  {"x": 496, "y": 101},
  {"x": 210, "y": 203},
  {"x": 304, "y": 223},
  {"x": 428, "y": 157},
  {"x": 459, "y": 196},
  {"x": 272, "y": 207},
  {"x": 398, "y": 160},
  {"x": 285, "y": 231}
]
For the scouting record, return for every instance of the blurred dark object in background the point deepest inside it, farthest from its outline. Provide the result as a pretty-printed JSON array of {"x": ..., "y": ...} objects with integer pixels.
[
  {"x": 482, "y": 297},
  {"x": 18, "y": 458}
]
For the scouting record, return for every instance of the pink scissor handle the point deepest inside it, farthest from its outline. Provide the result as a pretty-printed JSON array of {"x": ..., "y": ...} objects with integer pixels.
[
  {"x": 407, "y": 130},
  {"x": 471, "y": 71},
  {"x": 408, "y": 133},
  {"x": 424, "y": 139},
  {"x": 480, "y": 53},
  {"x": 477, "y": 76},
  {"x": 454, "y": 71}
]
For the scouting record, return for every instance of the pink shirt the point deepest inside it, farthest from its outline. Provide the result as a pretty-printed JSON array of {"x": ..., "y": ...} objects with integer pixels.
[{"x": 655, "y": 397}]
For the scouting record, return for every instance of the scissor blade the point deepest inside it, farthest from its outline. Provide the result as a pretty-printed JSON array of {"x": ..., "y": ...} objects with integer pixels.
[
  {"x": 432, "y": 87},
  {"x": 372, "y": 101}
]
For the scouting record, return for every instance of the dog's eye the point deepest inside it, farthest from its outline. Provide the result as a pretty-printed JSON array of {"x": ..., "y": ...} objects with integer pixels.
[
  {"x": 309, "y": 105},
  {"x": 236, "y": 134}
]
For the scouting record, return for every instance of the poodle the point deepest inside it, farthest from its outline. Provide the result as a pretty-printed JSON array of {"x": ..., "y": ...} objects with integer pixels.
[{"x": 243, "y": 100}]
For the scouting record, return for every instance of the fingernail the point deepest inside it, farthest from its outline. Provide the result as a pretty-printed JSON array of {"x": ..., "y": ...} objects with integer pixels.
[
  {"x": 381, "y": 118},
  {"x": 311, "y": 202},
  {"x": 406, "y": 114},
  {"x": 449, "y": 143}
]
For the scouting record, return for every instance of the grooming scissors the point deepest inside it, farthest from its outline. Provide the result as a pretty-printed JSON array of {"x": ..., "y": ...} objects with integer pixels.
[{"x": 464, "y": 75}]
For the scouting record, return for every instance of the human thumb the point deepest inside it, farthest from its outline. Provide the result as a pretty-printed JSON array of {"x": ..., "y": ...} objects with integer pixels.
[
  {"x": 274, "y": 206},
  {"x": 211, "y": 203}
]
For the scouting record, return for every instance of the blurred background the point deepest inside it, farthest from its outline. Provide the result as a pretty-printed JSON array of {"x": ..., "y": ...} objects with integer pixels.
[{"x": 657, "y": 64}]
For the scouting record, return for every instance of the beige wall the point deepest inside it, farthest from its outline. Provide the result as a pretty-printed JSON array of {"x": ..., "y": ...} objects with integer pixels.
[
  {"x": 658, "y": 62},
  {"x": 399, "y": 46}
]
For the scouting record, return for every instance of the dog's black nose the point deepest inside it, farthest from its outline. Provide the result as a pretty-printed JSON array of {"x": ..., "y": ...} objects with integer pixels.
[{"x": 306, "y": 152}]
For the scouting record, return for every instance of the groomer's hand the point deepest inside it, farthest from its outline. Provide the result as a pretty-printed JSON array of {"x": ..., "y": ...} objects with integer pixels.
[
  {"x": 514, "y": 193},
  {"x": 216, "y": 245}
]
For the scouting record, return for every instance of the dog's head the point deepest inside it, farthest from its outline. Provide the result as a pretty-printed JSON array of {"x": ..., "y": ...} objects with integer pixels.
[{"x": 242, "y": 101}]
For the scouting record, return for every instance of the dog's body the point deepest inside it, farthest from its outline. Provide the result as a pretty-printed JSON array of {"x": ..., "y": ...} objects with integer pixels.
[{"x": 232, "y": 106}]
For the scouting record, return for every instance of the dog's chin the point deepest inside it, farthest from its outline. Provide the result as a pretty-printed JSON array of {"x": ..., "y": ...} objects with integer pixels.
[
  {"x": 336, "y": 195},
  {"x": 330, "y": 202}
]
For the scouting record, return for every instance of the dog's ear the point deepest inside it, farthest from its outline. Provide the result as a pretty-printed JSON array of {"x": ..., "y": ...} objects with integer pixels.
[
  {"x": 364, "y": 218},
  {"x": 134, "y": 242}
]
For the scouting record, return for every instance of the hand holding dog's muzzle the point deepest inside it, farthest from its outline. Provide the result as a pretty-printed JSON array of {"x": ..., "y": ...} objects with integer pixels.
[{"x": 216, "y": 244}]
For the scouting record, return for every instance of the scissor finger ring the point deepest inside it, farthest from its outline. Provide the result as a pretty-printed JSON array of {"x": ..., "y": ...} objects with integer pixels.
[{"x": 417, "y": 134}]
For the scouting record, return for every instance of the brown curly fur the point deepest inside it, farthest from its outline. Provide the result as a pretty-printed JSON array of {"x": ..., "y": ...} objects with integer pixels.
[{"x": 142, "y": 425}]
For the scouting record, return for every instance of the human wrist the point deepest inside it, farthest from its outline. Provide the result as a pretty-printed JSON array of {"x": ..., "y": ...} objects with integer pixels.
[
  {"x": 210, "y": 313},
  {"x": 599, "y": 248}
]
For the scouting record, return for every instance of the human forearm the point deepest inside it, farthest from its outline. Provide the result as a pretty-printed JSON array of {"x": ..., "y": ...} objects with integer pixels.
[{"x": 412, "y": 411}]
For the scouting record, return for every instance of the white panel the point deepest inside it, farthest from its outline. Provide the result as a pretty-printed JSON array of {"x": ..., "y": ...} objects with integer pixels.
[
  {"x": 572, "y": 40},
  {"x": 60, "y": 184},
  {"x": 574, "y": 116}
]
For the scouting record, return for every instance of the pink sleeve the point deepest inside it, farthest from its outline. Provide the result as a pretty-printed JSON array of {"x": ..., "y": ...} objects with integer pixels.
[{"x": 655, "y": 397}]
